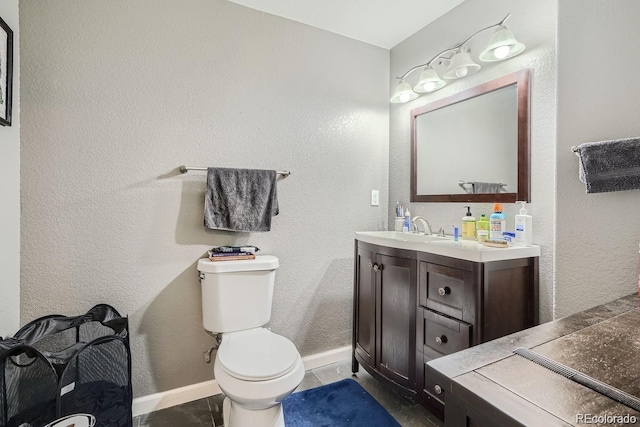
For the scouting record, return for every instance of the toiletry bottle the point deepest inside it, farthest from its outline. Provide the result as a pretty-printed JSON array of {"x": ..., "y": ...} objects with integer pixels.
[
  {"x": 524, "y": 230},
  {"x": 482, "y": 228},
  {"x": 407, "y": 221},
  {"x": 468, "y": 225},
  {"x": 497, "y": 222}
]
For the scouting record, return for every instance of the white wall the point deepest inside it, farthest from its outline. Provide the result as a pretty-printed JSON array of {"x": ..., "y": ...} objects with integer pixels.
[
  {"x": 117, "y": 94},
  {"x": 534, "y": 24},
  {"x": 10, "y": 191},
  {"x": 598, "y": 234}
]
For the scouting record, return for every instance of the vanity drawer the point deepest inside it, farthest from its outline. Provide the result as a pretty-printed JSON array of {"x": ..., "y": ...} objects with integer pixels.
[
  {"x": 443, "y": 289},
  {"x": 443, "y": 334}
]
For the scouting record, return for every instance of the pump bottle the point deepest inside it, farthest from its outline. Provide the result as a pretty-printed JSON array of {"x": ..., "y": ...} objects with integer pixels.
[
  {"x": 468, "y": 225},
  {"x": 524, "y": 224}
]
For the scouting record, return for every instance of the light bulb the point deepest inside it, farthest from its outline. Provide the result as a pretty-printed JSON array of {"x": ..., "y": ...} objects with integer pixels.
[
  {"x": 502, "y": 52},
  {"x": 462, "y": 71},
  {"x": 405, "y": 97},
  {"x": 429, "y": 86}
]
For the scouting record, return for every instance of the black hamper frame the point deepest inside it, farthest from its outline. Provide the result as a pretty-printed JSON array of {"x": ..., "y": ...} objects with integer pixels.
[{"x": 57, "y": 366}]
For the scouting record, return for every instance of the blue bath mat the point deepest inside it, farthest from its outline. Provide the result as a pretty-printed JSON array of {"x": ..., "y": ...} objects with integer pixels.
[{"x": 341, "y": 404}]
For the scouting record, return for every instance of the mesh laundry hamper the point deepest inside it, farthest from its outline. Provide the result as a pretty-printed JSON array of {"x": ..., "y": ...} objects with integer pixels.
[{"x": 57, "y": 366}]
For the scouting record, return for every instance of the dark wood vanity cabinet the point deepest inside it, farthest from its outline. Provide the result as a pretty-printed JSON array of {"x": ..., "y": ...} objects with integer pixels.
[
  {"x": 384, "y": 324},
  {"x": 411, "y": 307}
]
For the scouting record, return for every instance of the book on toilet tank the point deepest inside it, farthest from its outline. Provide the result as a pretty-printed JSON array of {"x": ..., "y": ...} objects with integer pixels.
[{"x": 230, "y": 256}]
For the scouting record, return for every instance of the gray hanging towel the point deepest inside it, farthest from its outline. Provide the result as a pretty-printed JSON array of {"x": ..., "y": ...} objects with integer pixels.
[
  {"x": 610, "y": 165},
  {"x": 240, "y": 199},
  {"x": 486, "y": 187}
]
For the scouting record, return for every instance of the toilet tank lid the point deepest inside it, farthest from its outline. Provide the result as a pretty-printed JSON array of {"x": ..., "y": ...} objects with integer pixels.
[{"x": 261, "y": 262}]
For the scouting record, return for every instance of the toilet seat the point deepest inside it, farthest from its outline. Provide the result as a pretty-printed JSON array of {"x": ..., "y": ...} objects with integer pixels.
[{"x": 256, "y": 355}]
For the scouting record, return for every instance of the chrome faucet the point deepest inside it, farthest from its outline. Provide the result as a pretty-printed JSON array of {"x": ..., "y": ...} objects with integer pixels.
[
  {"x": 426, "y": 227},
  {"x": 441, "y": 231}
]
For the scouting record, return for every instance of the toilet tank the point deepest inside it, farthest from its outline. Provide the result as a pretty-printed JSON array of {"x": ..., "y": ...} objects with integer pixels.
[{"x": 237, "y": 295}]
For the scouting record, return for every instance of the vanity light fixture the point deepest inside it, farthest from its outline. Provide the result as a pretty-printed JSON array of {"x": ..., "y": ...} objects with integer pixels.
[
  {"x": 429, "y": 81},
  {"x": 503, "y": 45},
  {"x": 461, "y": 64},
  {"x": 403, "y": 93}
]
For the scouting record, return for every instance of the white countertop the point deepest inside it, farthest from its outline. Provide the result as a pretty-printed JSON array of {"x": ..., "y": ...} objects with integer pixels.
[{"x": 463, "y": 249}]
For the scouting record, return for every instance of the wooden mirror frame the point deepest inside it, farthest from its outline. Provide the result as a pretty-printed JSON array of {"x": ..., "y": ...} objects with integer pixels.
[{"x": 521, "y": 80}]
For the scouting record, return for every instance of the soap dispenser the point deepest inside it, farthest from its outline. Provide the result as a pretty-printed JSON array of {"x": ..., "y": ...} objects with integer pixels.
[
  {"x": 524, "y": 224},
  {"x": 468, "y": 225}
]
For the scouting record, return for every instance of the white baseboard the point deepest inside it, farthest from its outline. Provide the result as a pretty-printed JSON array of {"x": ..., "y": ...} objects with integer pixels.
[{"x": 166, "y": 399}]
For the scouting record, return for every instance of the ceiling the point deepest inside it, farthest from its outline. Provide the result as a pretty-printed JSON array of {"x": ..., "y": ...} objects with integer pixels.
[{"x": 383, "y": 23}]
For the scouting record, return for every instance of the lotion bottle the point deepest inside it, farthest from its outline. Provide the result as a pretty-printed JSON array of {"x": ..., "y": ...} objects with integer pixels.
[
  {"x": 497, "y": 222},
  {"x": 407, "y": 221},
  {"x": 524, "y": 224},
  {"x": 468, "y": 225},
  {"x": 482, "y": 228}
]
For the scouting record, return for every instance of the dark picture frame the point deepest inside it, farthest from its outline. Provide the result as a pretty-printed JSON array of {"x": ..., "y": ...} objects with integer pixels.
[{"x": 6, "y": 72}]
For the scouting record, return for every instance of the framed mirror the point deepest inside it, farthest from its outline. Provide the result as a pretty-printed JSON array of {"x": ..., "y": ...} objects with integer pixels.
[{"x": 473, "y": 146}]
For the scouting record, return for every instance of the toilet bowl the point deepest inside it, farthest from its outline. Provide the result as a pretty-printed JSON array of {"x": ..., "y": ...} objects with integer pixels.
[{"x": 255, "y": 368}]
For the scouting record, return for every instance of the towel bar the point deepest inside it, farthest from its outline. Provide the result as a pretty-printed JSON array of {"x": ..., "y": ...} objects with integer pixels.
[
  {"x": 461, "y": 183},
  {"x": 185, "y": 169}
]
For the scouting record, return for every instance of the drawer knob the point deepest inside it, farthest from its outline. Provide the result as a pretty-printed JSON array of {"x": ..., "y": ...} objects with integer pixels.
[
  {"x": 437, "y": 389},
  {"x": 442, "y": 339},
  {"x": 376, "y": 267},
  {"x": 444, "y": 291}
]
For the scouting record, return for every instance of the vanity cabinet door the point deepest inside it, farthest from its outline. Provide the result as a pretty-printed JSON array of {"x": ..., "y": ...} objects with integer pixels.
[
  {"x": 365, "y": 306},
  {"x": 396, "y": 324}
]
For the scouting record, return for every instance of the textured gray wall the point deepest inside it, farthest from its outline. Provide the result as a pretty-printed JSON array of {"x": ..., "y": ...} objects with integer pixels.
[
  {"x": 10, "y": 191},
  {"x": 597, "y": 234},
  {"x": 534, "y": 24},
  {"x": 117, "y": 94}
]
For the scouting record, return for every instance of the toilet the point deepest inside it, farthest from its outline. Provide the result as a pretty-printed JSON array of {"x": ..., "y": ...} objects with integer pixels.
[{"x": 255, "y": 368}]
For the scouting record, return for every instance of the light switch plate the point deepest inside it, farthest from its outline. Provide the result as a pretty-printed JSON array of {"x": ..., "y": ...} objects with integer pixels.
[{"x": 375, "y": 198}]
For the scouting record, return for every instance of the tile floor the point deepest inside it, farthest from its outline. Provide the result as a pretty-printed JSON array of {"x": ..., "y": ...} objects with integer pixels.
[{"x": 208, "y": 412}]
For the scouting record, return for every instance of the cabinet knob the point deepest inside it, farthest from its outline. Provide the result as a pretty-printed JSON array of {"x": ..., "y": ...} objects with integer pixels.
[
  {"x": 444, "y": 291},
  {"x": 442, "y": 339},
  {"x": 376, "y": 267},
  {"x": 370, "y": 265},
  {"x": 437, "y": 389}
]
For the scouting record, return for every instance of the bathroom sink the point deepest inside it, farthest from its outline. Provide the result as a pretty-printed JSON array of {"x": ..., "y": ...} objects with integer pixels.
[
  {"x": 445, "y": 245},
  {"x": 409, "y": 237}
]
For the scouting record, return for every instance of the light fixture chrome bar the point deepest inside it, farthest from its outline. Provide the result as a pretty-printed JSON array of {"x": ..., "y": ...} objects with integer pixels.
[{"x": 185, "y": 169}]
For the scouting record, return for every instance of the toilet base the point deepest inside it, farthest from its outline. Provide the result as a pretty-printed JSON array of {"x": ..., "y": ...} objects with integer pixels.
[{"x": 234, "y": 415}]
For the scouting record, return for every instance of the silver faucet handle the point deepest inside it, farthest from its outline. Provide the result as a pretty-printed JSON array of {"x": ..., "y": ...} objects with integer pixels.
[{"x": 441, "y": 231}]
